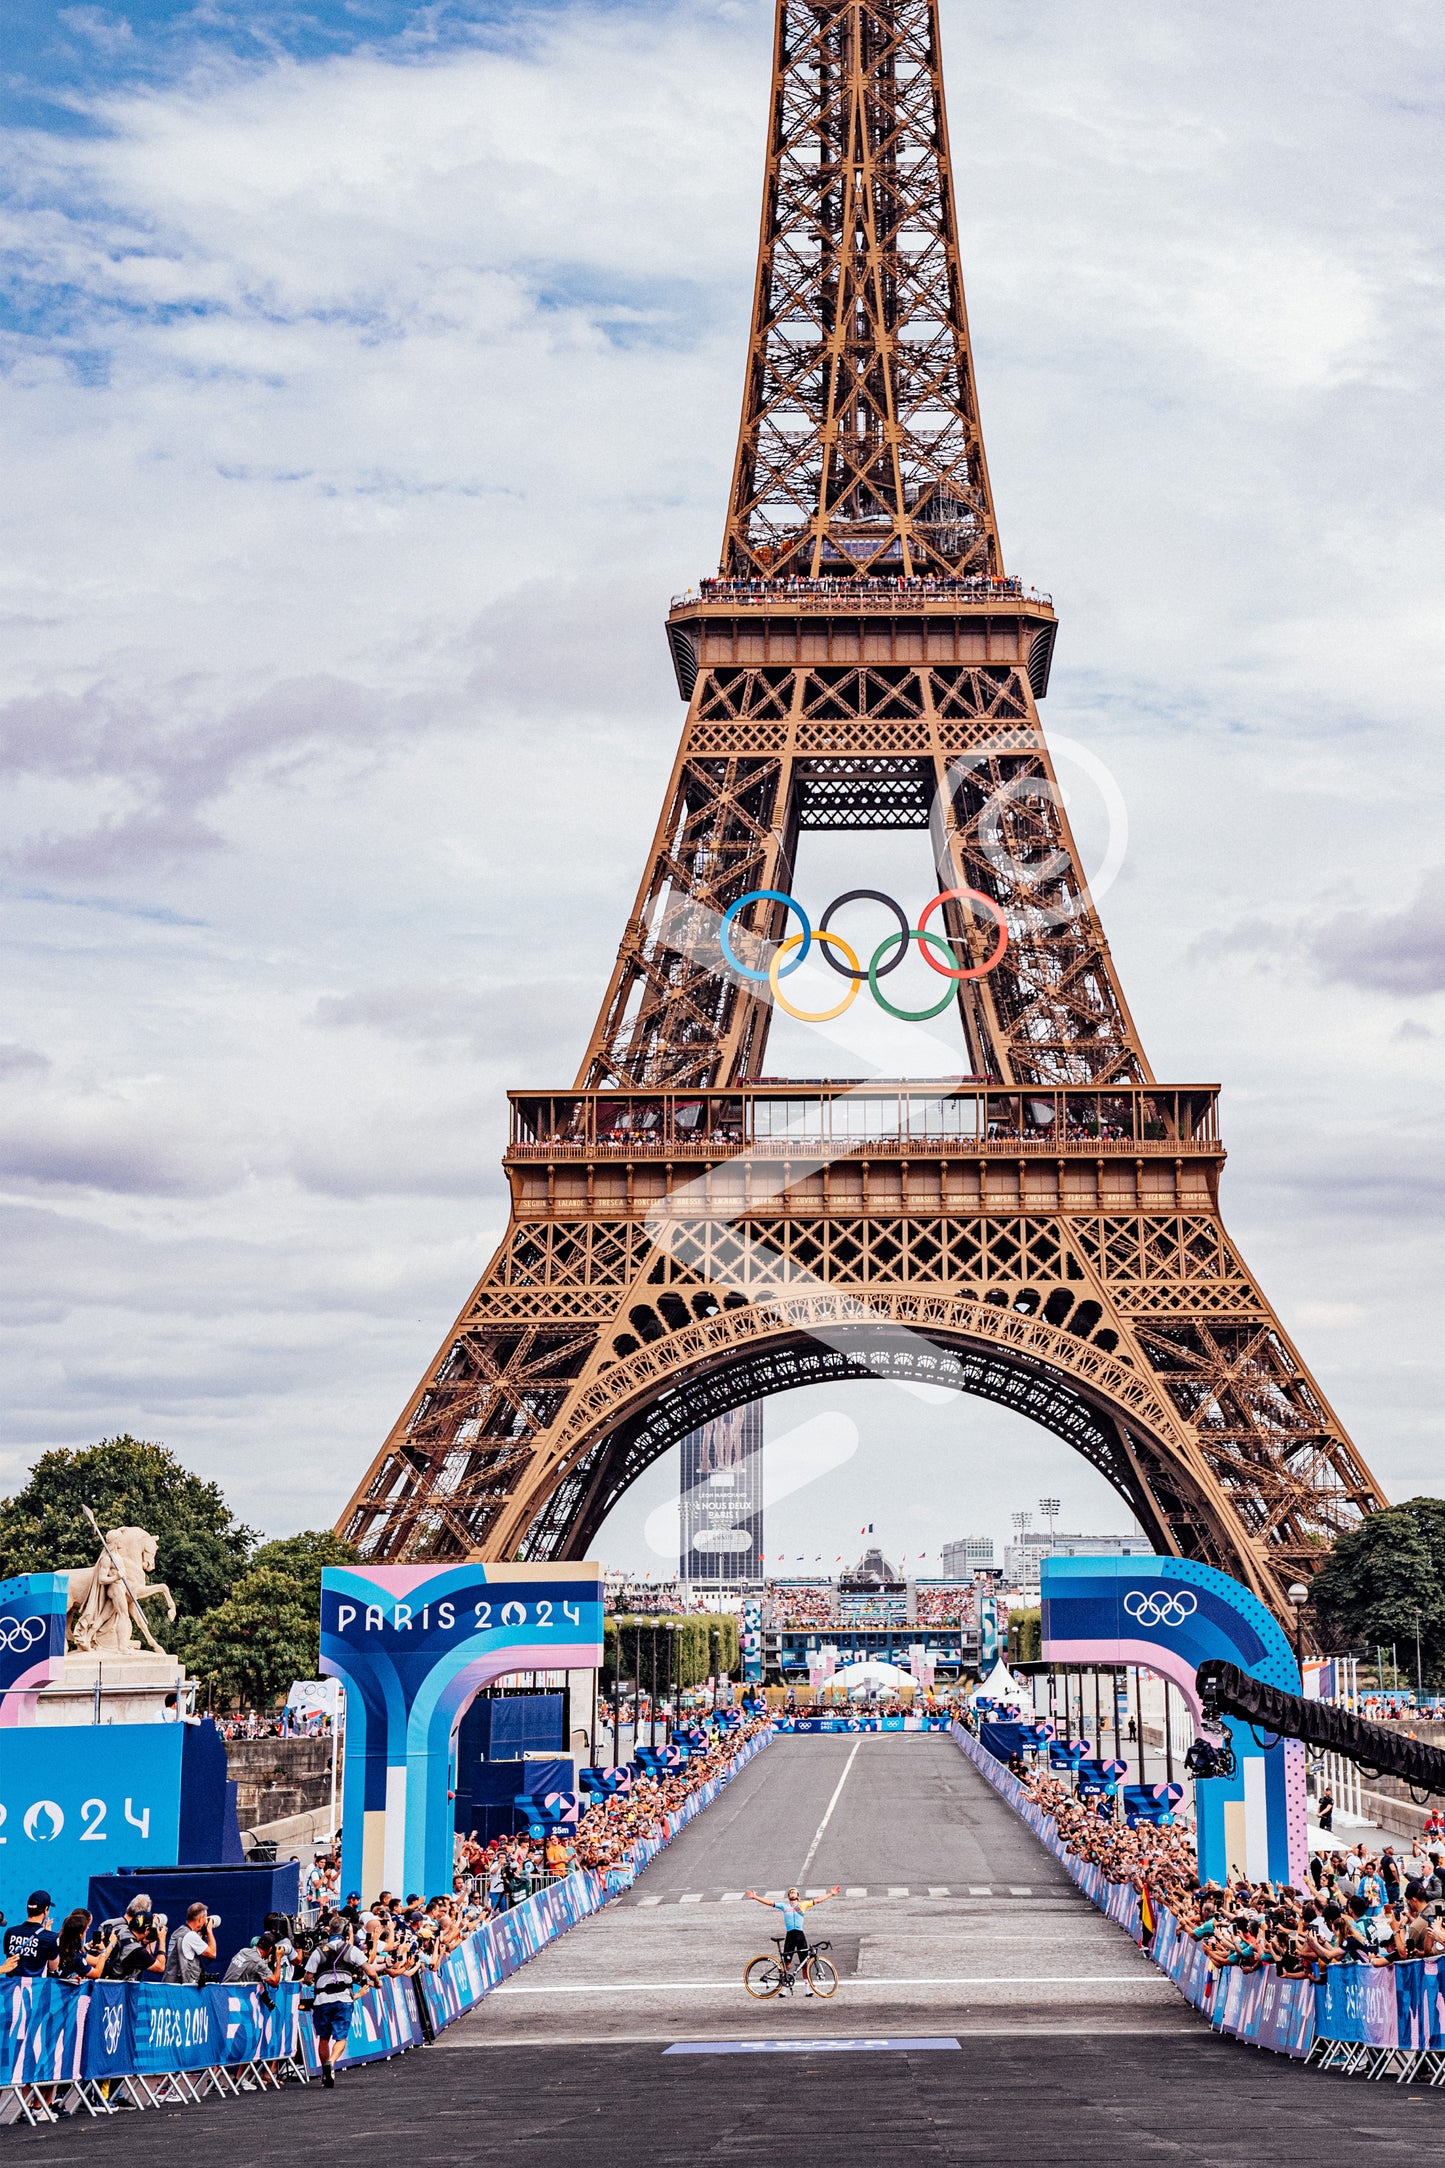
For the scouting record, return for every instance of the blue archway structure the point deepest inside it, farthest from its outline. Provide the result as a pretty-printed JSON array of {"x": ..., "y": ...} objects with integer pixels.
[
  {"x": 1167, "y": 1615},
  {"x": 413, "y": 1646}
]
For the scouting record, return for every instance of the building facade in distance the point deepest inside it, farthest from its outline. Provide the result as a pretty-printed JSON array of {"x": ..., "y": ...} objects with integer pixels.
[
  {"x": 721, "y": 1503},
  {"x": 1022, "y": 1559},
  {"x": 970, "y": 1554}
]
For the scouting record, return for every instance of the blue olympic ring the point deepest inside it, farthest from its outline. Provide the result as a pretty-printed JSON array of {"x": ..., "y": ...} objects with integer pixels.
[{"x": 763, "y": 895}]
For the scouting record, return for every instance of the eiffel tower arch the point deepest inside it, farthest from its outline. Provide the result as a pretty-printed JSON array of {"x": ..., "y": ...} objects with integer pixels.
[{"x": 1044, "y": 1232}]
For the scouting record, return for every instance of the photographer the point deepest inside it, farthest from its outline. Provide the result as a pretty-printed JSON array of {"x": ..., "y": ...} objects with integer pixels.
[
  {"x": 258, "y": 1965},
  {"x": 81, "y": 1956},
  {"x": 192, "y": 1948},
  {"x": 335, "y": 1970},
  {"x": 138, "y": 1950}
]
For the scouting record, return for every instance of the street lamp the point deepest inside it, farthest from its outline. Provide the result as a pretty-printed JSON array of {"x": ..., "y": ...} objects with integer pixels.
[
  {"x": 1299, "y": 1596},
  {"x": 652, "y": 1699}
]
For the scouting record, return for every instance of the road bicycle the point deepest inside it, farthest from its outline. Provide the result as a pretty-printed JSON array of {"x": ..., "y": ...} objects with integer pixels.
[{"x": 765, "y": 1976}]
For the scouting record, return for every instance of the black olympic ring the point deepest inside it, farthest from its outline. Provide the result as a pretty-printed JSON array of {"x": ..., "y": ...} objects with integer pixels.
[{"x": 870, "y": 895}]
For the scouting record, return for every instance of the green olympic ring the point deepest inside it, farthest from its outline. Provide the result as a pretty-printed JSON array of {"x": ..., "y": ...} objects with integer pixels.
[{"x": 909, "y": 1016}]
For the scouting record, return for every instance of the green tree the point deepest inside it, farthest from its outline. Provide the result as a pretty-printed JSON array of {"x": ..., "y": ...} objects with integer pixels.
[
  {"x": 699, "y": 1647},
  {"x": 268, "y": 1630},
  {"x": 1381, "y": 1580},
  {"x": 128, "y": 1483},
  {"x": 1025, "y": 1630}
]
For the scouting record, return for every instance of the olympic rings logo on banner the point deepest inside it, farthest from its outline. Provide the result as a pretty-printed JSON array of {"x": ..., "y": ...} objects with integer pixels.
[
  {"x": 1151, "y": 1609},
  {"x": 851, "y": 969},
  {"x": 19, "y": 1634}
]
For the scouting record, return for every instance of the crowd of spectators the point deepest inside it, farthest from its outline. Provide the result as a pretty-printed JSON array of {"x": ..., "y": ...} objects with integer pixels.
[
  {"x": 611, "y": 1826},
  {"x": 1357, "y": 1907},
  {"x": 985, "y": 585},
  {"x": 799, "y": 1607},
  {"x": 274, "y": 1724},
  {"x": 1400, "y": 1709},
  {"x": 944, "y": 1606},
  {"x": 651, "y": 1599}
]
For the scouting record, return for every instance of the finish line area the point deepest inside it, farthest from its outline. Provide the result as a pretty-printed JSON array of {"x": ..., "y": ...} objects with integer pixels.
[
  {"x": 986, "y": 2012},
  {"x": 950, "y": 1911}
]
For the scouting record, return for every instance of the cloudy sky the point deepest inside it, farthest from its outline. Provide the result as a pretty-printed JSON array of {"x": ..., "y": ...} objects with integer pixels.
[{"x": 370, "y": 382}]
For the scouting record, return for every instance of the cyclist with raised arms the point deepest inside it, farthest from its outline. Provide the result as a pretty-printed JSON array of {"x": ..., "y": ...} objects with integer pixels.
[{"x": 792, "y": 1907}]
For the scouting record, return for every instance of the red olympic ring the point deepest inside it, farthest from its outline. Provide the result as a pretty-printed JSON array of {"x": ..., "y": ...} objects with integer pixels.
[{"x": 970, "y": 895}]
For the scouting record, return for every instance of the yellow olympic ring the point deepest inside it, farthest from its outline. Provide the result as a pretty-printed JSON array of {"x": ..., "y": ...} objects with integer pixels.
[{"x": 814, "y": 1016}]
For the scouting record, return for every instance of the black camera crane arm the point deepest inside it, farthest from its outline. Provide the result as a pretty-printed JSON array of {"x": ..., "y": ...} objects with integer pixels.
[{"x": 1225, "y": 1690}]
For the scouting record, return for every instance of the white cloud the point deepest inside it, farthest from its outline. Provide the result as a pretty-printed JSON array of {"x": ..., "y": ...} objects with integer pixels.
[{"x": 377, "y": 405}]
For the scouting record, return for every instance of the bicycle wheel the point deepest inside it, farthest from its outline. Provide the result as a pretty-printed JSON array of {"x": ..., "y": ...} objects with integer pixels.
[
  {"x": 821, "y": 1975},
  {"x": 763, "y": 1977}
]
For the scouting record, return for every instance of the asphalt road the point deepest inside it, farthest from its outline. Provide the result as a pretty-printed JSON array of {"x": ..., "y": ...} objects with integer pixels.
[{"x": 1037, "y": 2033}]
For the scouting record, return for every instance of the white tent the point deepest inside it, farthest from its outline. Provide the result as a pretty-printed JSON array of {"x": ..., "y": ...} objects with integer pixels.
[
  {"x": 870, "y": 1678},
  {"x": 1001, "y": 1686}
]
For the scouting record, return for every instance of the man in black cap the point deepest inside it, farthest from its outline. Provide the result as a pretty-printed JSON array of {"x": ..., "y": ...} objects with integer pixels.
[{"x": 32, "y": 1948}]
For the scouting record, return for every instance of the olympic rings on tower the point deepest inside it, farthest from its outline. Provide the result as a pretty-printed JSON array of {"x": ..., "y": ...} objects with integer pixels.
[{"x": 852, "y": 970}]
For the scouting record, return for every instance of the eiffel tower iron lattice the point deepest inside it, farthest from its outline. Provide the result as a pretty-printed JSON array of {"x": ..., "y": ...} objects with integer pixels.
[{"x": 685, "y": 1237}]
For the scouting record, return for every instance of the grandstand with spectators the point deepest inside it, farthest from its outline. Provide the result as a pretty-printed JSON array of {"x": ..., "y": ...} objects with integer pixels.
[{"x": 871, "y": 1614}]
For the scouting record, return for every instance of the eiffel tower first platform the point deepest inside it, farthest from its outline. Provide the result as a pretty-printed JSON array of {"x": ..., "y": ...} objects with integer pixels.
[{"x": 1045, "y": 1232}]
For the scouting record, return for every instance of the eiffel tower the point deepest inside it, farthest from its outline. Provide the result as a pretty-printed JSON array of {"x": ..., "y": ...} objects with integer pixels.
[{"x": 686, "y": 1236}]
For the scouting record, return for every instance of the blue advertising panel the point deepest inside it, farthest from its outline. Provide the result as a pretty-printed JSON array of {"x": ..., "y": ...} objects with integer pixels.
[
  {"x": 83, "y": 1799},
  {"x": 752, "y": 1639},
  {"x": 32, "y": 1641}
]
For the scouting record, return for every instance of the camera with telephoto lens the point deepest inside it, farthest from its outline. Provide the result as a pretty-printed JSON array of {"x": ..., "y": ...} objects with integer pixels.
[{"x": 1204, "y": 1759}]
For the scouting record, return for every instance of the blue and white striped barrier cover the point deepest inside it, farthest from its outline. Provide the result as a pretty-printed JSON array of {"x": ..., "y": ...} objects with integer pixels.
[{"x": 1387, "y": 2006}]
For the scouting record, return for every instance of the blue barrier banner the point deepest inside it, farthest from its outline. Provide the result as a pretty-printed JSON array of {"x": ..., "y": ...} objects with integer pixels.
[
  {"x": 1285, "y": 2020},
  {"x": 45, "y": 2024},
  {"x": 237, "y": 2016},
  {"x": 1420, "y": 2003},
  {"x": 384, "y": 2021},
  {"x": 172, "y": 2028},
  {"x": 860, "y": 1723},
  {"x": 1357, "y": 2002},
  {"x": 107, "y": 2030}
]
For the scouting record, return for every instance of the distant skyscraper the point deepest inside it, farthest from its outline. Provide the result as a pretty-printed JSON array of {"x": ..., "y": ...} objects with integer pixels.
[
  {"x": 722, "y": 1498},
  {"x": 967, "y": 1556}
]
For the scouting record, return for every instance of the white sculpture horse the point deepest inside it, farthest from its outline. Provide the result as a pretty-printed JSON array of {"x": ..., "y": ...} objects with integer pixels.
[{"x": 105, "y": 1599}]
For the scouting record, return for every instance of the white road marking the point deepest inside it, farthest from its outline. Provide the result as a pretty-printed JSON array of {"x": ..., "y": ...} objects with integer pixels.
[
  {"x": 1026, "y": 1891},
  {"x": 898, "y": 1893},
  {"x": 827, "y": 1818},
  {"x": 980, "y": 1889},
  {"x": 942, "y": 1892},
  {"x": 972, "y": 1979},
  {"x": 855, "y": 1893},
  {"x": 649, "y": 1900},
  {"x": 689, "y": 1899},
  {"x": 731, "y": 1897}
]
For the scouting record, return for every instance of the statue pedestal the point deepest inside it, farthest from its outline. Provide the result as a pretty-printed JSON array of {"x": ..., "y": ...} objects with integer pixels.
[{"x": 115, "y": 1687}]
